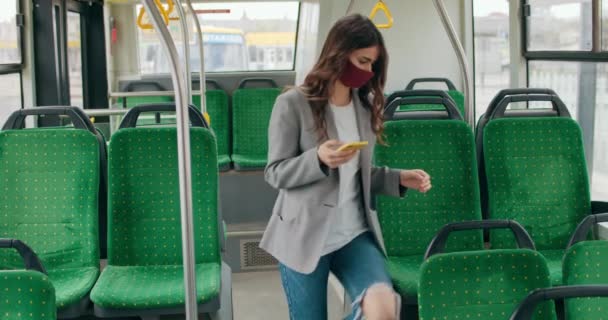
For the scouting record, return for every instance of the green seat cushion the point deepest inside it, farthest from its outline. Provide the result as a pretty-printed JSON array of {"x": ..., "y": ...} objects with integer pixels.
[
  {"x": 249, "y": 162},
  {"x": 444, "y": 149},
  {"x": 537, "y": 175},
  {"x": 125, "y": 287},
  {"x": 144, "y": 214},
  {"x": 586, "y": 263},
  {"x": 26, "y": 295},
  {"x": 481, "y": 284},
  {"x": 554, "y": 263},
  {"x": 72, "y": 285},
  {"x": 251, "y": 110},
  {"x": 223, "y": 160},
  {"x": 405, "y": 273}
]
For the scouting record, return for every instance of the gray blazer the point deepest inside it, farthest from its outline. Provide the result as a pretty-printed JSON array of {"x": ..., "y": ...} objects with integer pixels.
[{"x": 308, "y": 196}]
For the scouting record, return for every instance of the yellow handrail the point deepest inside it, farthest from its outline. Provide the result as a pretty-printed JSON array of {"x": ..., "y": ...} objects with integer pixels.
[
  {"x": 165, "y": 12},
  {"x": 381, "y": 6}
]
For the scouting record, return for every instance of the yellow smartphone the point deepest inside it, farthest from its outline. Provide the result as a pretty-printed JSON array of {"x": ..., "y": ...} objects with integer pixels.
[{"x": 357, "y": 145}]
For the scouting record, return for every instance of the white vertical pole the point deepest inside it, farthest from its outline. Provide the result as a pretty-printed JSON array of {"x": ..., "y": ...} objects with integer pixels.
[
  {"x": 183, "y": 151},
  {"x": 462, "y": 61}
]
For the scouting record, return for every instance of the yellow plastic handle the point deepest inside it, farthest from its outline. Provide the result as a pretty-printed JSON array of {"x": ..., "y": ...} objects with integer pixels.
[
  {"x": 381, "y": 6},
  {"x": 164, "y": 12},
  {"x": 170, "y": 7},
  {"x": 207, "y": 118}
]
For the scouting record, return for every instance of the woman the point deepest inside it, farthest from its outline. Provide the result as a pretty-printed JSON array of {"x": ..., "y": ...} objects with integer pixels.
[{"x": 323, "y": 219}]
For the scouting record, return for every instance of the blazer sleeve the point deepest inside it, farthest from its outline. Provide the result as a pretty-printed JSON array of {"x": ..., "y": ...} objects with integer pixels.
[
  {"x": 386, "y": 181},
  {"x": 289, "y": 167}
]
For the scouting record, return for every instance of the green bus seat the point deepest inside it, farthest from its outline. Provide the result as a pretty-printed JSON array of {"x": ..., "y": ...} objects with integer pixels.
[
  {"x": 456, "y": 95},
  {"x": 481, "y": 284},
  {"x": 50, "y": 182},
  {"x": 480, "y": 126},
  {"x": 144, "y": 273},
  {"x": 79, "y": 120},
  {"x": 536, "y": 174},
  {"x": 28, "y": 293},
  {"x": 528, "y": 307},
  {"x": 131, "y": 102},
  {"x": 586, "y": 263},
  {"x": 444, "y": 149},
  {"x": 251, "y": 110},
  {"x": 217, "y": 107}
]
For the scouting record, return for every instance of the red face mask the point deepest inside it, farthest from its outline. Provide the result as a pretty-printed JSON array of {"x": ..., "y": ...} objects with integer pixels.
[{"x": 355, "y": 77}]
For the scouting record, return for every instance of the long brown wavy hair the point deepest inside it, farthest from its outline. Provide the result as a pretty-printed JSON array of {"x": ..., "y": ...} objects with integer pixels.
[{"x": 350, "y": 33}]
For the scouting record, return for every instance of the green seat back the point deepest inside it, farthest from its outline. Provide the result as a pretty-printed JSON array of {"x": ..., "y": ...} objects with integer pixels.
[
  {"x": 251, "y": 110},
  {"x": 26, "y": 295},
  {"x": 50, "y": 183},
  {"x": 536, "y": 175},
  {"x": 134, "y": 101},
  {"x": 586, "y": 263},
  {"x": 445, "y": 149},
  {"x": 150, "y": 119},
  {"x": 481, "y": 284},
  {"x": 144, "y": 213},
  {"x": 217, "y": 107},
  {"x": 457, "y": 96}
]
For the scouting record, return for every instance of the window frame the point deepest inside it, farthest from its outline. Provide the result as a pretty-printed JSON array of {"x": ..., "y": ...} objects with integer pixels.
[
  {"x": 17, "y": 68},
  {"x": 80, "y": 9},
  {"x": 595, "y": 55},
  {"x": 8, "y": 68}
]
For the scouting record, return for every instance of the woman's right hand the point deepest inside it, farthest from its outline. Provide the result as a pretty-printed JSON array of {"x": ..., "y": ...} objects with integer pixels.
[{"x": 331, "y": 157}]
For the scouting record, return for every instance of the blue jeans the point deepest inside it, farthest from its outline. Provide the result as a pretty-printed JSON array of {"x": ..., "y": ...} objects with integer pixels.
[{"x": 358, "y": 266}]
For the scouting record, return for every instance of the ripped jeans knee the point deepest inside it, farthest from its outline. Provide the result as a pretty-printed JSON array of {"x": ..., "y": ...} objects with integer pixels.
[{"x": 378, "y": 293}]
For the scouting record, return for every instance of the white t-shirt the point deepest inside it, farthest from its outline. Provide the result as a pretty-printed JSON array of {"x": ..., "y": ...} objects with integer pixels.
[{"x": 348, "y": 221}]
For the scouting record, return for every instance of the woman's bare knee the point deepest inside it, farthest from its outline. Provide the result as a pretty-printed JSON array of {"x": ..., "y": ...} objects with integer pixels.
[{"x": 380, "y": 303}]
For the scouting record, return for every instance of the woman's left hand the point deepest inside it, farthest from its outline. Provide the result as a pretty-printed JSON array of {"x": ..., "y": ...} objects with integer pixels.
[{"x": 416, "y": 179}]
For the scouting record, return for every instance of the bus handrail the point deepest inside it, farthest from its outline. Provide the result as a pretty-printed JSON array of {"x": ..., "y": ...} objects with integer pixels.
[
  {"x": 462, "y": 61},
  {"x": 183, "y": 151},
  {"x": 201, "y": 52}
]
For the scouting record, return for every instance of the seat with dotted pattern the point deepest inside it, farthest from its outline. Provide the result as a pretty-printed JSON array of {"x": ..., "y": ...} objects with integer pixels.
[
  {"x": 146, "y": 86},
  {"x": 536, "y": 174},
  {"x": 144, "y": 253},
  {"x": 50, "y": 183},
  {"x": 251, "y": 110},
  {"x": 481, "y": 284},
  {"x": 456, "y": 95},
  {"x": 586, "y": 263},
  {"x": 27, "y": 293},
  {"x": 444, "y": 149},
  {"x": 217, "y": 107},
  {"x": 135, "y": 101}
]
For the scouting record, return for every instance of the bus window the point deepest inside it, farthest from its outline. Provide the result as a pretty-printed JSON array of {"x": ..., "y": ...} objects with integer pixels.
[
  {"x": 10, "y": 52},
  {"x": 233, "y": 41},
  {"x": 10, "y": 55}
]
